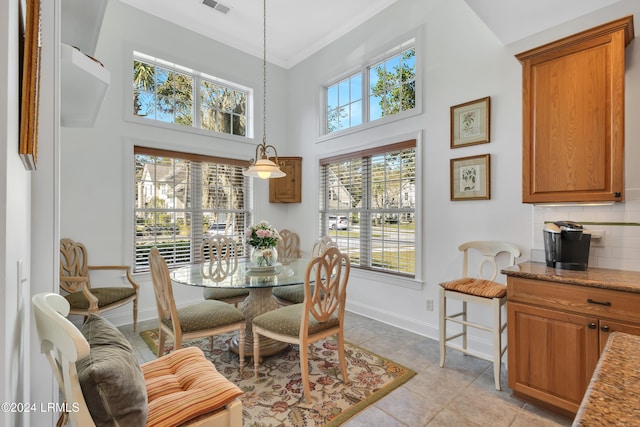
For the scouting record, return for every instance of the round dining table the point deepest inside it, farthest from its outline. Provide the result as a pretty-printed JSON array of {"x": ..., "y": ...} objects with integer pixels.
[{"x": 259, "y": 281}]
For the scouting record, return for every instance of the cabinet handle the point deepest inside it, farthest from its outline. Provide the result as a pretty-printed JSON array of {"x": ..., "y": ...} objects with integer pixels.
[
  {"x": 591, "y": 301},
  {"x": 592, "y": 325},
  {"x": 604, "y": 328}
]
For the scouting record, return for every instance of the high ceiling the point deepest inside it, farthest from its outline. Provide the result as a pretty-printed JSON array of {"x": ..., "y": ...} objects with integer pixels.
[
  {"x": 295, "y": 28},
  {"x": 298, "y": 28}
]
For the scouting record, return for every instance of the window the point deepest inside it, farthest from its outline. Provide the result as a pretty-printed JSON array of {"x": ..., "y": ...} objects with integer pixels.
[
  {"x": 367, "y": 205},
  {"x": 164, "y": 92},
  {"x": 181, "y": 198},
  {"x": 344, "y": 103},
  {"x": 392, "y": 85},
  {"x": 391, "y": 89}
]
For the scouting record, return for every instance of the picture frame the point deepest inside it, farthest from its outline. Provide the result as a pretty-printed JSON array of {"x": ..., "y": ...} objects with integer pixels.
[
  {"x": 471, "y": 178},
  {"x": 470, "y": 123},
  {"x": 30, "y": 83}
]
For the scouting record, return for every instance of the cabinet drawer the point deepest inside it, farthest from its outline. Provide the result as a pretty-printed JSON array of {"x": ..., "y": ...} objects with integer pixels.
[{"x": 603, "y": 303}]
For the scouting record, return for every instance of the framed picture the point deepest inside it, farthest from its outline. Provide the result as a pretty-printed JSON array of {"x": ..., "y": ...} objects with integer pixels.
[
  {"x": 30, "y": 83},
  {"x": 470, "y": 178},
  {"x": 470, "y": 123}
]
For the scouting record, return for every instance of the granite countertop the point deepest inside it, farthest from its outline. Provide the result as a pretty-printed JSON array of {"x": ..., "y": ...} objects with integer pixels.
[
  {"x": 621, "y": 280},
  {"x": 613, "y": 396}
]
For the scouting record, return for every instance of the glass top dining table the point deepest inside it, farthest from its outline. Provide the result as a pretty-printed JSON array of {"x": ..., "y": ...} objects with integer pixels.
[
  {"x": 259, "y": 282},
  {"x": 290, "y": 272}
]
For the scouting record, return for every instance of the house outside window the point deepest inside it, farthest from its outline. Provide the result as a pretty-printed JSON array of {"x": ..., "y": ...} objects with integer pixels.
[
  {"x": 374, "y": 192},
  {"x": 181, "y": 198},
  {"x": 390, "y": 85},
  {"x": 170, "y": 93}
]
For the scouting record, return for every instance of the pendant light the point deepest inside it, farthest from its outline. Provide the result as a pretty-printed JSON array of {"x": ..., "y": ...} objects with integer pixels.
[{"x": 261, "y": 166}]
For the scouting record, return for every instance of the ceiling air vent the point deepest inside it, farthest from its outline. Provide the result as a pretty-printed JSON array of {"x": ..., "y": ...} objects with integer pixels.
[{"x": 217, "y": 6}]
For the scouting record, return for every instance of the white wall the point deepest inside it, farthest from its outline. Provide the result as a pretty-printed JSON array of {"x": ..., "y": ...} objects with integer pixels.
[
  {"x": 97, "y": 163},
  {"x": 461, "y": 61},
  {"x": 22, "y": 192}
]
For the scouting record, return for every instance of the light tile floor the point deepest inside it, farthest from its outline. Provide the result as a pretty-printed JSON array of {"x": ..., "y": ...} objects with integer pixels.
[{"x": 460, "y": 394}]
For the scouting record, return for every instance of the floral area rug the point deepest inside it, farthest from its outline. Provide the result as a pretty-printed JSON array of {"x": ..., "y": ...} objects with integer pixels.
[{"x": 276, "y": 397}]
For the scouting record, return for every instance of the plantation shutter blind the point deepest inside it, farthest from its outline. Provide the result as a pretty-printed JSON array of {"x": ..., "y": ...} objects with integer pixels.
[
  {"x": 179, "y": 196},
  {"x": 375, "y": 190}
]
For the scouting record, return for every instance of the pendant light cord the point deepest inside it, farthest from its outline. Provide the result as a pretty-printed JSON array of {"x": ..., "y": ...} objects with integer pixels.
[{"x": 264, "y": 75}]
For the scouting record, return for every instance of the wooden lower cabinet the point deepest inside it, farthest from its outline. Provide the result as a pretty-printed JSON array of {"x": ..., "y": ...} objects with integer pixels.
[
  {"x": 552, "y": 354},
  {"x": 555, "y": 341}
]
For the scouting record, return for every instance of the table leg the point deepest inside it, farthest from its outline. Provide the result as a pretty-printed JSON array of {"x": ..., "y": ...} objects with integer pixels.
[{"x": 259, "y": 300}]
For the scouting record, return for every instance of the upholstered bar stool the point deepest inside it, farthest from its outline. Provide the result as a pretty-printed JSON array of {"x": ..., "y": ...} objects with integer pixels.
[{"x": 480, "y": 290}]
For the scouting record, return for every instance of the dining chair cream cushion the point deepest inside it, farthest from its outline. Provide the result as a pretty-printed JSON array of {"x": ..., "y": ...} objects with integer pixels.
[
  {"x": 286, "y": 321},
  {"x": 199, "y": 316},
  {"x": 111, "y": 380}
]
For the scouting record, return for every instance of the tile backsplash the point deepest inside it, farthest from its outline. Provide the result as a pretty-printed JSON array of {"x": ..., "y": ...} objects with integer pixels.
[{"x": 619, "y": 222}]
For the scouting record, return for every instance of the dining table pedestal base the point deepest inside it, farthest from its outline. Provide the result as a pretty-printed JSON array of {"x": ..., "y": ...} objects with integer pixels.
[{"x": 259, "y": 301}]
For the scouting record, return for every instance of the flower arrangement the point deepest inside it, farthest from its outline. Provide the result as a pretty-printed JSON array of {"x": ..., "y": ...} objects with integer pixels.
[{"x": 262, "y": 235}]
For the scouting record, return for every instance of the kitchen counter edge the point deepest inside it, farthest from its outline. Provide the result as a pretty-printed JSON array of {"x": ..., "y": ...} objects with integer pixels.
[
  {"x": 620, "y": 280},
  {"x": 614, "y": 390}
]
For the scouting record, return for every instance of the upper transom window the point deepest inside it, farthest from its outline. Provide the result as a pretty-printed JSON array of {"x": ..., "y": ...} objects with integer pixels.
[
  {"x": 171, "y": 93},
  {"x": 390, "y": 89}
]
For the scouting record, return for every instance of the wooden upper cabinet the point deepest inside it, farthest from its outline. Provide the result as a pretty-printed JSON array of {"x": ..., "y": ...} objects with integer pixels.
[
  {"x": 573, "y": 116},
  {"x": 287, "y": 189}
]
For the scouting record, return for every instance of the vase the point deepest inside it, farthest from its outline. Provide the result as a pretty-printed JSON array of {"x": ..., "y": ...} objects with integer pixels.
[{"x": 264, "y": 256}]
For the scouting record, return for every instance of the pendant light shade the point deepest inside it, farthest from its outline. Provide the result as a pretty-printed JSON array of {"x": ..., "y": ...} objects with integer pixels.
[{"x": 261, "y": 166}]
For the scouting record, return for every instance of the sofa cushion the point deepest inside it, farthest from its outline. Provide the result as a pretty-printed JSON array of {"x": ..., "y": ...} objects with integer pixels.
[
  {"x": 110, "y": 377},
  {"x": 183, "y": 385}
]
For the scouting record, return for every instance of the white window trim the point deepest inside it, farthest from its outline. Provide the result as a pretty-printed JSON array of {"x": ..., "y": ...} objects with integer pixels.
[
  {"x": 391, "y": 278},
  {"x": 412, "y": 38},
  {"x": 183, "y": 67}
]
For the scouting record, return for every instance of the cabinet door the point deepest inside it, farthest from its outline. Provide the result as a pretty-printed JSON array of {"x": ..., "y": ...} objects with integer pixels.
[
  {"x": 552, "y": 354},
  {"x": 288, "y": 188},
  {"x": 609, "y": 326},
  {"x": 573, "y": 117}
]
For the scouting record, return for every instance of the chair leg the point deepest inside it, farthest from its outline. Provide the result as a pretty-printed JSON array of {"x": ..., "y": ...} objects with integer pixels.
[
  {"x": 443, "y": 326},
  {"x": 497, "y": 341},
  {"x": 256, "y": 352},
  {"x": 304, "y": 370},
  {"x": 464, "y": 327},
  {"x": 161, "y": 338},
  {"x": 241, "y": 337},
  {"x": 135, "y": 314},
  {"x": 343, "y": 363}
]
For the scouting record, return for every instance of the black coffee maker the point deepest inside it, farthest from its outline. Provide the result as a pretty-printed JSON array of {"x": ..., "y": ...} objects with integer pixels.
[{"x": 566, "y": 245}]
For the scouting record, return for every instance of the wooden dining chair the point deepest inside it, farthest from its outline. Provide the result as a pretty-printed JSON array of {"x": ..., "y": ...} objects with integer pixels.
[
  {"x": 287, "y": 295},
  {"x": 203, "y": 319},
  {"x": 222, "y": 254},
  {"x": 479, "y": 289},
  {"x": 85, "y": 299},
  {"x": 319, "y": 316},
  {"x": 288, "y": 246}
]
